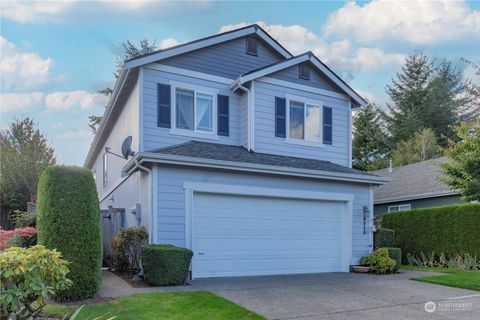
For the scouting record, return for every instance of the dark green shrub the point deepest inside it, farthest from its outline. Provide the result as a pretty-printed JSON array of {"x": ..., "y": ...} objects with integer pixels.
[
  {"x": 395, "y": 254},
  {"x": 383, "y": 238},
  {"x": 165, "y": 265},
  {"x": 379, "y": 261},
  {"x": 450, "y": 229},
  {"x": 68, "y": 219},
  {"x": 127, "y": 249}
]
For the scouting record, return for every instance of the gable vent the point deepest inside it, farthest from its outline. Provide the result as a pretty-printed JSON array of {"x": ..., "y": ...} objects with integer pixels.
[{"x": 252, "y": 46}]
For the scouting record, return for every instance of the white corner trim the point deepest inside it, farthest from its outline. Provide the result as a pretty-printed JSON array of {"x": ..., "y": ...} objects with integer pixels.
[
  {"x": 263, "y": 191},
  {"x": 347, "y": 237},
  {"x": 252, "y": 116},
  {"x": 140, "y": 107},
  {"x": 371, "y": 220},
  {"x": 189, "y": 73},
  {"x": 188, "y": 217},
  {"x": 302, "y": 87},
  {"x": 154, "y": 205},
  {"x": 350, "y": 134}
]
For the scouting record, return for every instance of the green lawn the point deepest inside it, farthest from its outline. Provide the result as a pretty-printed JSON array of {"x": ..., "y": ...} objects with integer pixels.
[
  {"x": 452, "y": 278},
  {"x": 160, "y": 305}
]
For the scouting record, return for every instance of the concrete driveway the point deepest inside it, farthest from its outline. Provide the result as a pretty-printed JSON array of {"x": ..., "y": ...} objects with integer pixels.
[{"x": 345, "y": 296}]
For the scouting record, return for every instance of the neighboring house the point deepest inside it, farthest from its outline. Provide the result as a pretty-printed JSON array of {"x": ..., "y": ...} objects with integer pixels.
[
  {"x": 413, "y": 186},
  {"x": 243, "y": 154}
]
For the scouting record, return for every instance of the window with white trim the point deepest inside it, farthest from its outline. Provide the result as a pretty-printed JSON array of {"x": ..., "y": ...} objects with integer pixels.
[
  {"x": 401, "y": 207},
  {"x": 194, "y": 110},
  {"x": 304, "y": 120}
]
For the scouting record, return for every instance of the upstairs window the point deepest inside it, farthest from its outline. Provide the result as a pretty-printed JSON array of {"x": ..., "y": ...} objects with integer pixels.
[
  {"x": 252, "y": 46},
  {"x": 304, "y": 71},
  {"x": 305, "y": 121},
  {"x": 194, "y": 110}
]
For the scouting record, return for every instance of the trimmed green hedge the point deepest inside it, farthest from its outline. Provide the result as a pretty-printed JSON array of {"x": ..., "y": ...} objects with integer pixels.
[
  {"x": 395, "y": 254},
  {"x": 453, "y": 229},
  {"x": 383, "y": 238},
  {"x": 68, "y": 219},
  {"x": 165, "y": 265}
]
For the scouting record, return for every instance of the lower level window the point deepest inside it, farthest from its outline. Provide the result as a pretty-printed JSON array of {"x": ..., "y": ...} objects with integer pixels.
[
  {"x": 194, "y": 110},
  {"x": 402, "y": 207},
  {"x": 304, "y": 121}
]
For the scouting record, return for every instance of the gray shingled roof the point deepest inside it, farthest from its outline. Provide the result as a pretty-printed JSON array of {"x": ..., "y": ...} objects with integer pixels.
[
  {"x": 215, "y": 151},
  {"x": 413, "y": 181}
]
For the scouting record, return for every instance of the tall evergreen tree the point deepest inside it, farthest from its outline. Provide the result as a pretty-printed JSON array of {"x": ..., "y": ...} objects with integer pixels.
[
  {"x": 25, "y": 153},
  {"x": 408, "y": 92},
  {"x": 130, "y": 51},
  {"x": 370, "y": 143},
  {"x": 423, "y": 146}
]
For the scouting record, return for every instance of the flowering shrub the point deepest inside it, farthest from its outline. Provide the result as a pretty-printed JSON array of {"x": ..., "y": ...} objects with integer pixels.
[
  {"x": 24, "y": 237},
  {"x": 127, "y": 249},
  {"x": 27, "y": 277}
]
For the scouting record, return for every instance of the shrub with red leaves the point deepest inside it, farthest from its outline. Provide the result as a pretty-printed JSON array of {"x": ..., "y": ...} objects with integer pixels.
[{"x": 24, "y": 235}]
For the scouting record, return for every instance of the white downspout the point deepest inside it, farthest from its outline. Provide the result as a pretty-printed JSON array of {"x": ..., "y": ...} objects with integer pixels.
[
  {"x": 249, "y": 115},
  {"x": 150, "y": 198}
]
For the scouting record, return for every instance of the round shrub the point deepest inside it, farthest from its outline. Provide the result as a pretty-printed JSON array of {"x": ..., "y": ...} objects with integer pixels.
[
  {"x": 379, "y": 261},
  {"x": 68, "y": 220},
  {"x": 395, "y": 254},
  {"x": 165, "y": 265}
]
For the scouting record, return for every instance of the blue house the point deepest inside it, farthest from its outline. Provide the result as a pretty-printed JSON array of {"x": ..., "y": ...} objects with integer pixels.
[{"x": 240, "y": 151}]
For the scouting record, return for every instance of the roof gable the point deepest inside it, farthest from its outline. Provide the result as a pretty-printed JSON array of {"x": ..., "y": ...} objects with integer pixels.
[
  {"x": 206, "y": 42},
  {"x": 309, "y": 56}
]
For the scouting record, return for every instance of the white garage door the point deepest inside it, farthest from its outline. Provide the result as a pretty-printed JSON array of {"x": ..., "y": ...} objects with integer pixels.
[{"x": 248, "y": 235}]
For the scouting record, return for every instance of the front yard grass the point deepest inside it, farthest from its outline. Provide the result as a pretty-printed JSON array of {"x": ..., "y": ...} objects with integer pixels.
[
  {"x": 452, "y": 278},
  {"x": 160, "y": 305}
]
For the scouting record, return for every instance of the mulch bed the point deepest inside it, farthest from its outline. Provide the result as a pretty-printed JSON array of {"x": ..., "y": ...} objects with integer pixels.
[{"x": 127, "y": 277}]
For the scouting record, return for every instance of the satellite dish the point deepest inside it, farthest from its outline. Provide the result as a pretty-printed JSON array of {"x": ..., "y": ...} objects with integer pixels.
[{"x": 127, "y": 147}]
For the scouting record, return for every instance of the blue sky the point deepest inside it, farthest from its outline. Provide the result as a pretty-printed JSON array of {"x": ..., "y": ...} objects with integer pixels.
[{"x": 56, "y": 55}]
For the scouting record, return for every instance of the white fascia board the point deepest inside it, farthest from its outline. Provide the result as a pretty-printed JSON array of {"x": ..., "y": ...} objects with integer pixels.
[
  {"x": 250, "y": 167},
  {"x": 355, "y": 96},
  {"x": 205, "y": 43},
  {"x": 106, "y": 115},
  {"x": 188, "y": 73},
  {"x": 417, "y": 197},
  {"x": 273, "y": 69}
]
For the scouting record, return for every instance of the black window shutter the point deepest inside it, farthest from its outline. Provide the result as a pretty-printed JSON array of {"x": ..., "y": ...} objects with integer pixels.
[
  {"x": 327, "y": 125},
  {"x": 280, "y": 117},
  {"x": 163, "y": 105},
  {"x": 223, "y": 113}
]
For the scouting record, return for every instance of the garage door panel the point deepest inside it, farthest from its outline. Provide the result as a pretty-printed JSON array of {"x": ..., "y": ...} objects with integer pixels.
[{"x": 247, "y": 235}]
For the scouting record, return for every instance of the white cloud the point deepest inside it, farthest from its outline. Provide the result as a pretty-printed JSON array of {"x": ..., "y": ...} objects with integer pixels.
[
  {"x": 29, "y": 11},
  {"x": 20, "y": 101},
  {"x": 342, "y": 55},
  {"x": 418, "y": 22},
  {"x": 72, "y": 134},
  {"x": 22, "y": 70},
  {"x": 167, "y": 43},
  {"x": 79, "y": 100}
]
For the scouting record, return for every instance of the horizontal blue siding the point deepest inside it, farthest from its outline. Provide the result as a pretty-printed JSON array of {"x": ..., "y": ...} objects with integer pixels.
[
  {"x": 171, "y": 199},
  {"x": 156, "y": 137},
  {"x": 266, "y": 142},
  {"x": 227, "y": 59},
  {"x": 317, "y": 79}
]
